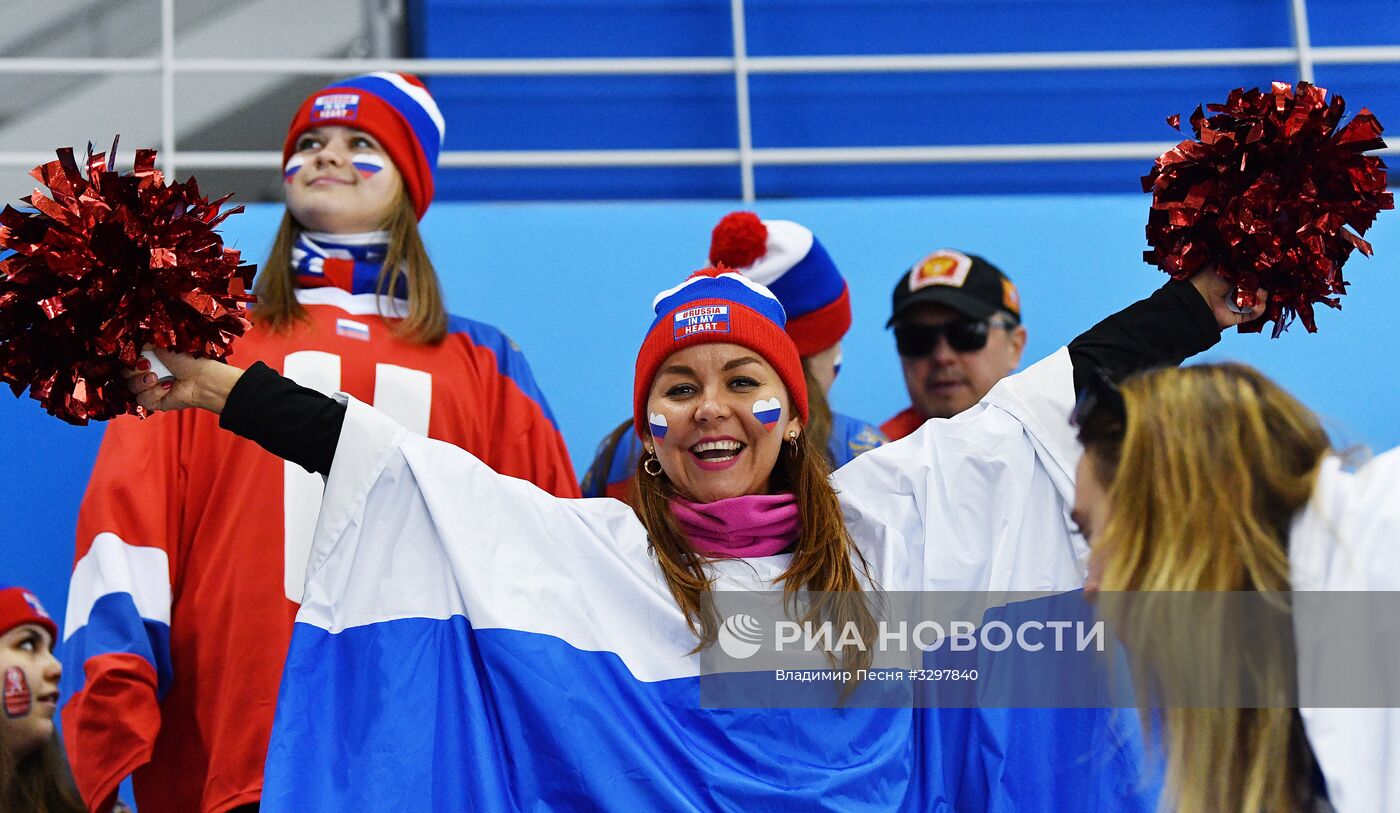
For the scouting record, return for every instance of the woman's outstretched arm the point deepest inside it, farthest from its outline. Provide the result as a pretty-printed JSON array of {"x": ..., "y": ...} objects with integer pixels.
[
  {"x": 1179, "y": 320},
  {"x": 289, "y": 420}
]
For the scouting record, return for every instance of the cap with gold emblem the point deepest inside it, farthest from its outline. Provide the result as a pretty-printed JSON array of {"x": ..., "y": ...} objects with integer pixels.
[{"x": 964, "y": 282}]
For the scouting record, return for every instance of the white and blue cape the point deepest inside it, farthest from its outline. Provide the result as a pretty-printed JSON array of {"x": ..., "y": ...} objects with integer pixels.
[{"x": 470, "y": 642}]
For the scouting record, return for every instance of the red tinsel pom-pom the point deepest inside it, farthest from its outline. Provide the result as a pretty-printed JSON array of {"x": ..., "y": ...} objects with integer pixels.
[
  {"x": 738, "y": 240},
  {"x": 107, "y": 265},
  {"x": 1266, "y": 192}
]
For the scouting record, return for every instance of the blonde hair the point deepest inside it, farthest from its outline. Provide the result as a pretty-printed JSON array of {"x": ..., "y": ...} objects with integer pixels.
[
  {"x": 825, "y": 560},
  {"x": 407, "y": 258},
  {"x": 1207, "y": 467}
]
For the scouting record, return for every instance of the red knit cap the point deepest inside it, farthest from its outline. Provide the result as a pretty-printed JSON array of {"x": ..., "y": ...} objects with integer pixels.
[
  {"x": 19, "y": 606},
  {"x": 396, "y": 109},
  {"x": 716, "y": 305}
]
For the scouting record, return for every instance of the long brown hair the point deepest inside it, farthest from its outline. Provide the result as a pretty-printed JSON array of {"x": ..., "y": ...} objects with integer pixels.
[
  {"x": 825, "y": 560},
  {"x": 1207, "y": 467},
  {"x": 39, "y": 783},
  {"x": 426, "y": 321}
]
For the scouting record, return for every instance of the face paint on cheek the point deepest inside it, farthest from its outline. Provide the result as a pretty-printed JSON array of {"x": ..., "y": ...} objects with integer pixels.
[
  {"x": 367, "y": 164},
  {"x": 768, "y": 411},
  {"x": 18, "y": 698},
  {"x": 836, "y": 367},
  {"x": 658, "y": 426},
  {"x": 294, "y": 165}
]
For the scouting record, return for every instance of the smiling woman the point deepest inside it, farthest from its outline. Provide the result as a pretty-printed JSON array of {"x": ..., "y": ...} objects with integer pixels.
[
  {"x": 468, "y": 641},
  {"x": 720, "y": 373},
  {"x": 721, "y": 406},
  {"x": 787, "y": 259}
]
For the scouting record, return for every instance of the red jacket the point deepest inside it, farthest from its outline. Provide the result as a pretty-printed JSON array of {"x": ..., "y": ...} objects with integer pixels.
[{"x": 902, "y": 425}]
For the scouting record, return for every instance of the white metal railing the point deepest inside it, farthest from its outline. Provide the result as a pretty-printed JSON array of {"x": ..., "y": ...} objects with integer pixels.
[{"x": 1303, "y": 55}]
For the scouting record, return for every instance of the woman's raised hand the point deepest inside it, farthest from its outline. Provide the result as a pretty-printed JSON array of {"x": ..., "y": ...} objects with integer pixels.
[
  {"x": 1217, "y": 292},
  {"x": 202, "y": 383}
]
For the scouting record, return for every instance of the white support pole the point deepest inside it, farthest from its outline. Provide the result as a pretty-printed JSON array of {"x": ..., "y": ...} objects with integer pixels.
[
  {"x": 741, "y": 98},
  {"x": 1302, "y": 40},
  {"x": 167, "y": 87}
]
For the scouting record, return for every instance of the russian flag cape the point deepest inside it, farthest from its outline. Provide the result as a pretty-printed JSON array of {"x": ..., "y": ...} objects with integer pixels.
[{"x": 468, "y": 642}]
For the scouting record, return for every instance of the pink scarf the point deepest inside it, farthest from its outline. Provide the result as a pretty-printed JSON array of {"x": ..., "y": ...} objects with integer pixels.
[{"x": 739, "y": 527}]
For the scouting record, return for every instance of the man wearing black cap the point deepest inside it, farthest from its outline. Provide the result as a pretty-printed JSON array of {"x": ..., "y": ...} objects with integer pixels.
[{"x": 957, "y": 325}]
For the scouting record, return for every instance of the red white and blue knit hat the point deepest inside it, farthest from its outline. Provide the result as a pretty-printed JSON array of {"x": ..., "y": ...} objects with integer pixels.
[
  {"x": 788, "y": 259},
  {"x": 19, "y": 606},
  {"x": 396, "y": 109},
  {"x": 717, "y": 305}
]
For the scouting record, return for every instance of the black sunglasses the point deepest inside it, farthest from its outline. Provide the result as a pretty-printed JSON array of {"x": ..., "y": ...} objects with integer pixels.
[{"x": 964, "y": 336}]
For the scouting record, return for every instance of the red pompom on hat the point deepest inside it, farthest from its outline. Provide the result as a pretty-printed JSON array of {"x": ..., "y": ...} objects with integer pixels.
[
  {"x": 395, "y": 108},
  {"x": 19, "y": 606},
  {"x": 787, "y": 259},
  {"x": 738, "y": 240},
  {"x": 717, "y": 305}
]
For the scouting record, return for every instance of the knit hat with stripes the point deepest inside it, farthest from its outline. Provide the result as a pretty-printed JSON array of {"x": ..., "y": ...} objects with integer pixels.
[
  {"x": 717, "y": 305},
  {"x": 396, "y": 109}
]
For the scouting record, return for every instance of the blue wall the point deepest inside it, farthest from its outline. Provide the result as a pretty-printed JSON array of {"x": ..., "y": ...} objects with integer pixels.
[
  {"x": 573, "y": 285},
  {"x": 873, "y": 109}
]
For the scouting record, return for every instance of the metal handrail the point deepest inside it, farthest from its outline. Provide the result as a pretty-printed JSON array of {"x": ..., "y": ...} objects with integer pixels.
[
  {"x": 723, "y": 65},
  {"x": 741, "y": 66},
  {"x": 663, "y": 66},
  {"x": 762, "y": 156}
]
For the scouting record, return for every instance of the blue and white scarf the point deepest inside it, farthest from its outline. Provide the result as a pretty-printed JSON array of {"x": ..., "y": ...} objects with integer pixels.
[{"x": 347, "y": 261}]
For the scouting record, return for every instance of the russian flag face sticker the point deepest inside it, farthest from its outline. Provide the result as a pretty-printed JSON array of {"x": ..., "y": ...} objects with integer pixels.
[
  {"x": 294, "y": 165},
  {"x": 336, "y": 107},
  {"x": 768, "y": 412},
  {"x": 701, "y": 319},
  {"x": 367, "y": 163},
  {"x": 658, "y": 426}
]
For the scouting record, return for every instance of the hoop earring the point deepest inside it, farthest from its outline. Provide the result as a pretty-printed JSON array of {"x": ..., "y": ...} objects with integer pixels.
[
  {"x": 646, "y": 465},
  {"x": 792, "y": 441}
]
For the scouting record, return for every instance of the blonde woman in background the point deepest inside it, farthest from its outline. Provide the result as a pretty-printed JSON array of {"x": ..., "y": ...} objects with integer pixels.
[{"x": 1212, "y": 478}]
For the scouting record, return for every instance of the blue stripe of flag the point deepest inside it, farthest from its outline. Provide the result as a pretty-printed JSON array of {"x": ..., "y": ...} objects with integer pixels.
[{"x": 115, "y": 625}]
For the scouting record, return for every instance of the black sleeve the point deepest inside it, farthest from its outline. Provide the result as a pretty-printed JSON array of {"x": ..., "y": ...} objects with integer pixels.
[
  {"x": 1165, "y": 329},
  {"x": 285, "y": 418}
]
